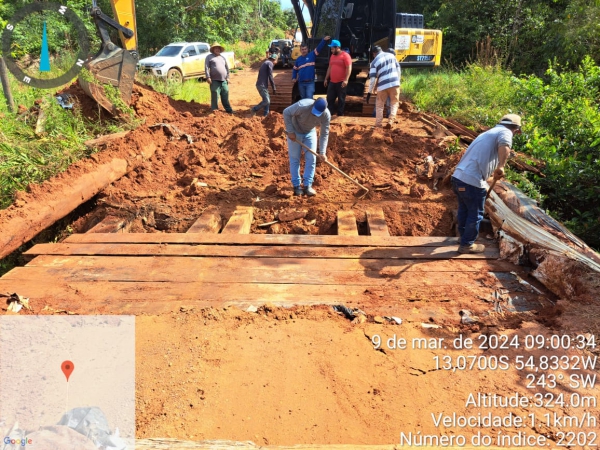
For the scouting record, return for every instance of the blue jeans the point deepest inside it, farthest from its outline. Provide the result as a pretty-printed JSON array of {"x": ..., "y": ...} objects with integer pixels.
[
  {"x": 266, "y": 100},
  {"x": 307, "y": 89},
  {"x": 219, "y": 88},
  {"x": 471, "y": 202},
  {"x": 295, "y": 152}
]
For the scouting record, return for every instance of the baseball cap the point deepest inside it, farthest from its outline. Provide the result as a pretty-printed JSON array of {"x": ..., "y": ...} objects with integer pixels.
[
  {"x": 511, "y": 119},
  {"x": 273, "y": 56},
  {"x": 319, "y": 106},
  {"x": 335, "y": 43}
]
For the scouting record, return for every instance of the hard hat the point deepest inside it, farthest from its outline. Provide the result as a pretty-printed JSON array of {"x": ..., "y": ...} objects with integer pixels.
[
  {"x": 335, "y": 43},
  {"x": 319, "y": 106},
  {"x": 511, "y": 119},
  {"x": 375, "y": 49}
]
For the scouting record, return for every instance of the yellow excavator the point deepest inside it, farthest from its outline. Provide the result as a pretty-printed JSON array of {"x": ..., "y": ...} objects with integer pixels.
[{"x": 113, "y": 65}]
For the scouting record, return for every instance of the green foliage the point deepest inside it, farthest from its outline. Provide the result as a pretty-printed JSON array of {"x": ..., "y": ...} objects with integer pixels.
[
  {"x": 189, "y": 90},
  {"x": 564, "y": 130},
  {"x": 474, "y": 96}
]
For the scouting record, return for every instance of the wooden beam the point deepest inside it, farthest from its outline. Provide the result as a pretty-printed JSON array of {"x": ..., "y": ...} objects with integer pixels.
[
  {"x": 208, "y": 222},
  {"x": 346, "y": 223},
  {"x": 376, "y": 222},
  {"x": 111, "y": 224},
  {"x": 240, "y": 221},
  {"x": 287, "y": 262},
  {"x": 265, "y": 239},
  {"x": 258, "y": 251},
  {"x": 229, "y": 270}
]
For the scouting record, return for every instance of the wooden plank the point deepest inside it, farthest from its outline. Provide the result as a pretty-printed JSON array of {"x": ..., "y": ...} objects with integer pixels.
[
  {"x": 310, "y": 255},
  {"x": 240, "y": 222},
  {"x": 346, "y": 223},
  {"x": 190, "y": 270},
  {"x": 266, "y": 239},
  {"x": 348, "y": 120},
  {"x": 316, "y": 264},
  {"x": 449, "y": 252},
  {"x": 376, "y": 222},
  {"x": 111, "y": 224},
  {"x": 208, "y": 222},
  {"x": 126, "y": 297}
]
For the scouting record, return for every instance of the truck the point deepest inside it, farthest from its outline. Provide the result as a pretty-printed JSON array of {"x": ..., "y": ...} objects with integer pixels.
[{"x": 181, "y": 61}]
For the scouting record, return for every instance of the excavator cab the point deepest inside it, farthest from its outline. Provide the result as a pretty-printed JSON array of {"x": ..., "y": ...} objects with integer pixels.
[{"x": 113, "y": 65}]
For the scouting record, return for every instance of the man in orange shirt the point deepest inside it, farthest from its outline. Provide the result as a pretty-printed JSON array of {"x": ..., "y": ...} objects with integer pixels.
[{"x": 337, "y": 76}]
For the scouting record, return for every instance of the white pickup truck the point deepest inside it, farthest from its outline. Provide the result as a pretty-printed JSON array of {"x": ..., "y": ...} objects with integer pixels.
[{"x": 181, "y": 60}]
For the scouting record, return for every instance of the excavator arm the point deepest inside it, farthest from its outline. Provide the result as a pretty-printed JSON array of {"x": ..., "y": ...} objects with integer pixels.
[{"x": 113, "y": 65}]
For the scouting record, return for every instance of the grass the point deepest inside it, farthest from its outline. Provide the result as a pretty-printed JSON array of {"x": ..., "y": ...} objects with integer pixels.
[
  {"x": 249, "y": 53},
  {"x": 27, "y": 157},
  {"x": 475, "y": 95},
  {"x": 189, "y": 90}
]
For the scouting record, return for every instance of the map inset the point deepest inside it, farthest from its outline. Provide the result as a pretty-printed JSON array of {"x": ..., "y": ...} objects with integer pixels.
[{"x": 67, "y": 382}]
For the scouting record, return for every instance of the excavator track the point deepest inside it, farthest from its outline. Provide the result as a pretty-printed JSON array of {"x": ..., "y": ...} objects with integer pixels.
[
  {"x": 285, "y": 87},
  {"x": 355, "y": 106}
]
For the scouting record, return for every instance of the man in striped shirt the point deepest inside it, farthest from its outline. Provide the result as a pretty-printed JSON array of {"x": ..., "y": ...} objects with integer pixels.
[{"x": 384, "y": 74}]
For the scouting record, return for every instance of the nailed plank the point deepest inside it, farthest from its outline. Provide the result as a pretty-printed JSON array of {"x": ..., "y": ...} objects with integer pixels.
[
  {"x": 266, "y": 239},
  {"x": 208, "y": 222},
  {"x": 376, "y": 222},
  {"x": 189, "y": 270},
  {"x": 111, "y": 224},
  {"x": 346, "y": 223},
  {"x": 240, "y": 222},
  {"x": 257, "y": 251}
]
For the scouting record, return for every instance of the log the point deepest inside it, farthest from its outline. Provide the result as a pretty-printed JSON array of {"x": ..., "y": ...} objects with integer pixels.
[
  {"x": 111, "y": 224},
  {"x": 24, "y": 222},
  {"x": 548, "y": 252},
  {"x": 240, "y": 221},
  {"x": 101, "y": 140},
  {"x": 376, "y": 222}
]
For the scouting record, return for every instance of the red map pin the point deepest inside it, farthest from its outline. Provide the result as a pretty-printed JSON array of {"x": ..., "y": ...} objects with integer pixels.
[{"x": 67, "y": 368}]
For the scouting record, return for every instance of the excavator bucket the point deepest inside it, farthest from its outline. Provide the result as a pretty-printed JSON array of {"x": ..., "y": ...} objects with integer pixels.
[{"x": 115, "y": 67}]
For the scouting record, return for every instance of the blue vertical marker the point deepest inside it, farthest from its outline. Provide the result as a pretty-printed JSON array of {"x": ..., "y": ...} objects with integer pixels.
[{"x": 45, "y": 56}]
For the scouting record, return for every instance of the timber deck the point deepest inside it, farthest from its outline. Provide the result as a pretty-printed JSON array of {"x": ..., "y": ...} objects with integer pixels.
[{"x": 129, "y": 273}]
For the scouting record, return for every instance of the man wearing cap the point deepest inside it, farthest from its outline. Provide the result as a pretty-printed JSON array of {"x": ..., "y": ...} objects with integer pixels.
[
  {"x": 304, "y": 69},
  {"x": 300, "y": 121},
  {"x": 217, "y": 75},
  {"x": 486, "y": 156},
  {"x": 337, "y": 76},
  {"x": 265, "y": 76},
  {"x": 384, "y": 73}
]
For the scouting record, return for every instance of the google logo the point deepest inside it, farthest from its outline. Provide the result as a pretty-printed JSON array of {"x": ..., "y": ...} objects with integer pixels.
[{"x": 21, "y": 442}]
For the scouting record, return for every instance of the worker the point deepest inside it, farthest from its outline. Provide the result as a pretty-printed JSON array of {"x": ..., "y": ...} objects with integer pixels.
[
  {"x": 301, "y": 120},
  {"x": 273, "y": 49},
  {"x": 337, "y": 76},
  {"x": 485, "y": 156},
  {"x": 384, "y": 75},
  {"x": 265, "y": 76},
  {"x": 217, "y": 75},
  {"x": 304, "y": 69},
  {"x": 286, "y": 53}
]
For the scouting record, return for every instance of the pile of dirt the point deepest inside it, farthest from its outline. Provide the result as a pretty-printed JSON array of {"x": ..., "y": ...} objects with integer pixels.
[{"x": 213, "y": 158}]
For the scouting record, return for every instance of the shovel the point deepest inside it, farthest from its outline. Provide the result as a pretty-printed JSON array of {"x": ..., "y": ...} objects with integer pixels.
[{"x": 336, "y": 169}]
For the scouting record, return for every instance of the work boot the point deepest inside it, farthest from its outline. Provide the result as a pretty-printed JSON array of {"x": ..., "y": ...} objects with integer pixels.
[
  {"x": 473, "y": 248},
  {"x": 298, "y": 191},
  {"x": 309, "y": 191}
]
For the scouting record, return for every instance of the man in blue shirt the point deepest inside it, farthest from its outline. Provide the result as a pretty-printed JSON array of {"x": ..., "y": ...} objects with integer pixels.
[
  {"x": 304, "y": 69},
  {"x": 486, "y": 156}
]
